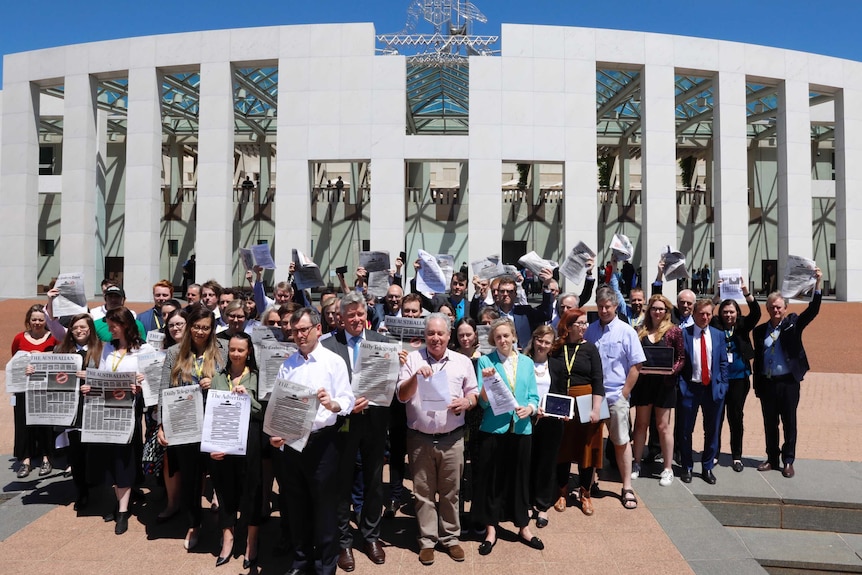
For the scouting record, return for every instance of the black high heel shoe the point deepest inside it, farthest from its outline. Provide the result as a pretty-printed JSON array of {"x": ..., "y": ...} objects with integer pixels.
[
  {"x": 249, "y": 563},
  {"x": 222, "y": 560}
]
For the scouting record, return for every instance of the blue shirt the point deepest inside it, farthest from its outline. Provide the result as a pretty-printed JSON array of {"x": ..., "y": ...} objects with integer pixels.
[{"x": 620, "y": 350}]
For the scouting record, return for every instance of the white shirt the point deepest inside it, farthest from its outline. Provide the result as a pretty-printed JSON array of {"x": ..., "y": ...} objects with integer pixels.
[
  {"x": 695, "y": 360},
  {"x": 325, "y": 369}
]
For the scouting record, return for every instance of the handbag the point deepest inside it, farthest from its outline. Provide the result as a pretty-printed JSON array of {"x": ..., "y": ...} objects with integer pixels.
[{"x": 153, "y": 457}]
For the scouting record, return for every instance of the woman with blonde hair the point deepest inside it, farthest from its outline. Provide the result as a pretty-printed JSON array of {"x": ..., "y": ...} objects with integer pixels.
[{"x": 654, "y": 390}]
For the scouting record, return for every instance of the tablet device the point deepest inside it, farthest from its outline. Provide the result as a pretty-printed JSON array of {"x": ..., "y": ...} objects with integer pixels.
[
  {"x": 659, "y": 360},
  {"x": 585, "y": 406},
  {"x": 558, "y": 405}
]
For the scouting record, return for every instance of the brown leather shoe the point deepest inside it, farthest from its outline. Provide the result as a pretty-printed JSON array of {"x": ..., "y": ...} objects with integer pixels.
[
  {"x": 766, "y": 466},
  {"x": 561, "y": 503},
  {"x": 426, "y": 556},
  {"x": 346, "y": 560},
  {"x": 456, "y": 552},
  {"x": 586, "y": 502},
  {"x": 375, "y": 552},
  {"x": 788, "y": 471}
]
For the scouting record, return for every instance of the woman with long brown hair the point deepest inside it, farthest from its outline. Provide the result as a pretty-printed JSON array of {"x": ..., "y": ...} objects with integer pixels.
[
  {"x": 120, "y": 355},
  {"x": 81, "y": 338},
  {"x": 582, "y": 442},
  {"x": 657, "y": 390},
  {"x": 193, "y": 361}
]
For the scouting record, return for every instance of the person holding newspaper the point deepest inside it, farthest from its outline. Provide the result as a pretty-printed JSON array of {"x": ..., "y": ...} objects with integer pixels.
[
  {"x": 120, "y": 461},
  {"x": 236, "y": 478},
  {"x": 503, "y": 474},
  {"x": 35, "y": 441},
  {"x": 194, "y": 361},
  {"x": 780, "y": 364}
]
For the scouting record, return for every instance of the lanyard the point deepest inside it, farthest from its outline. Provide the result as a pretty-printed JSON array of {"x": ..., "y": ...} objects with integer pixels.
[
  {"x": 199, "y": 366},
  {"x": 117, "y": 360},
  {"x": 511, "y": 370},
  {"x": 571, "y": 363},
  {"x": 239, "y": 379}
]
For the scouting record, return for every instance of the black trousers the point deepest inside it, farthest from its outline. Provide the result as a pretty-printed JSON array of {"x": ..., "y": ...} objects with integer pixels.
[
  {"x": 397, "y": 448},
  {"x": 547, "y": 436},
  {"x": 236, "y": 480},
  {"x": 779, "y": 399},
  {"x": 734, "y": 404},
  {"x": 365, "y": 435},
  {"x": 502, "y": 479},
  {"x": 191, "y": 464},
  {"x": 311, "y": 508}
]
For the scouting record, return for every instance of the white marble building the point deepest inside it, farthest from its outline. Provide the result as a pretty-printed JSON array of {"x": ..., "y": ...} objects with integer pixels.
[{"x": 123, "y": 157}]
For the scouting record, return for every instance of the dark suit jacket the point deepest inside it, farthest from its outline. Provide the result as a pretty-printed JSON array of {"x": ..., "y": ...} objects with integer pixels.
[
  {"x": 791, "y": 343},
  {"x": 718, "y": 364}
]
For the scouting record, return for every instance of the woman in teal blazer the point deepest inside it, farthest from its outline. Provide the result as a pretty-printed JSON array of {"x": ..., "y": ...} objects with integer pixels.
[{"x": 503, "y": 474}]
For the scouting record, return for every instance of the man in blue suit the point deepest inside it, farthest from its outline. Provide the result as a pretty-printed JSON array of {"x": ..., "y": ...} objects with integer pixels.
[{"x": 702, "y": 384}]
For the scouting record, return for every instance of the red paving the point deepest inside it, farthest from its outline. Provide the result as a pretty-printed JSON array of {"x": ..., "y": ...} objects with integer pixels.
[{"x": 612, "y": 541}]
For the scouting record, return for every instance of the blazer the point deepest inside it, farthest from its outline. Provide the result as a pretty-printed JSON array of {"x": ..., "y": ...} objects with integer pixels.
[
  {"x": 338, "y": 344},
  {"x": 526, "y": 393},
  {"x": 790, "y": 337},
  {"x": 718, "y": 363}
]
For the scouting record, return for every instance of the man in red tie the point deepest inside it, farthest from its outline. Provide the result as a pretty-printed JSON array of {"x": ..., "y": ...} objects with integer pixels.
[{"x": 702, "y": 384}]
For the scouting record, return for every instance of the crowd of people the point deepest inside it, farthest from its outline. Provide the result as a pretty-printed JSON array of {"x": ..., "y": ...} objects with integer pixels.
[{"x": 512, "y": 465}]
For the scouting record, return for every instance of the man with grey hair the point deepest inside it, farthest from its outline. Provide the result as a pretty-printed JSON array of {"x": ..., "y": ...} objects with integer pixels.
[
  {"x": 622, "y": 356},
  {"x": 364, "y": 433},
  {"x": 435, "y": 437}
]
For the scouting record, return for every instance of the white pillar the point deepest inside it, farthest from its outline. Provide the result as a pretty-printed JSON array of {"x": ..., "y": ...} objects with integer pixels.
[
  {"x": 214, "y": 239},
  {"x": 292, "y": 206},
  {"x": 19, "y": 188},
  {"x": 795, "y": 228},
  {"x": 730, "y": 174},
  {"x": 580, "y": 178},
  {"x": 78, "y": 206},
  {"x": 848, "y": 203},
  {"x": 387, "y": 216},
  {"x": 101, "y": 193},
  {"x": 143, "y": 184},
  {"x": 658, "y": 195}
]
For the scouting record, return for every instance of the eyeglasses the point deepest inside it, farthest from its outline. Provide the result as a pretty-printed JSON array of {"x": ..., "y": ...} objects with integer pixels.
[
  {"x": 202, "y": 328},
  {"x": 661, "y": 309},
  {"x": 505, "y": 291},
  {"x": 236, "y": 316},
  {"x": 301, "y": 330},
  {"x": 579, "y": 324},
  {"x": 177, "y": 325}
]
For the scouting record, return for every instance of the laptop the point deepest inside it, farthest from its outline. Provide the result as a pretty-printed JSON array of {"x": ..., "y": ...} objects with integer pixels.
[{"x": 659, "y": 360}]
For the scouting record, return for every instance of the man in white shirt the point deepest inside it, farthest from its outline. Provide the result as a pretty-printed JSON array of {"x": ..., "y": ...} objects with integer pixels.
[{"x": 310, "y": 485}]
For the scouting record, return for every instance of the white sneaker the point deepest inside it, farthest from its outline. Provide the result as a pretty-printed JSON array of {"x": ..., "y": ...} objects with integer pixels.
[
  {"x": 636, "y": 470},
  {"x": 666, "y": 478}
]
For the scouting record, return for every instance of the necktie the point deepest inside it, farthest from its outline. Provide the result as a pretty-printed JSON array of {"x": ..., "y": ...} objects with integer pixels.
[
  {"x": 355, "y": 340},
  {"x": 704, "y": 359}
]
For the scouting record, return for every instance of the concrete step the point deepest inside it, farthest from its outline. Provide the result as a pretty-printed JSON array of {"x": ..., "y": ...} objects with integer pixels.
[{"x": 784, "y": 552}]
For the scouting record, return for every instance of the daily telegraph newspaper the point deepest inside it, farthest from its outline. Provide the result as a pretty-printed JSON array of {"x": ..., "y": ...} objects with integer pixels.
[
  {"x": 182, "y": 410},
  {"x": 798, "y": 276},
  {"x": 109, "y": 408},
  {"x": 226, "y": 420},
  {"x": 291, "y": 412},
  {"x": 150, "y": 365},
  {"x": 377, "y": 266},
  {"x": 622, "y": 247},
  {"x": 72, "y": 299},
  {"x": 731, "y": 284},
  {"x": 52, "y": 390},
  {"x": 16, "y": 376},
  {"x": 376, "y": 372},
  {"x": 575, "y": 266},
  {"x": 270, "y": 356}
]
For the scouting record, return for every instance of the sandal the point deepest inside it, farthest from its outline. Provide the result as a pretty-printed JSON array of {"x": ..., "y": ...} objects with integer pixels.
[
  {"x": 586, "y": 501},
  {"x": 629, "y": 499}
]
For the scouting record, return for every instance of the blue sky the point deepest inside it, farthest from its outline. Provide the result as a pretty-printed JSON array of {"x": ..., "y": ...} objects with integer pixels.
[{"x": 829, "y": 27}]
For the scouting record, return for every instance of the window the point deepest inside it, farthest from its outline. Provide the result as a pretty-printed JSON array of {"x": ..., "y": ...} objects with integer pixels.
[{"x": 46, "y": 247}]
